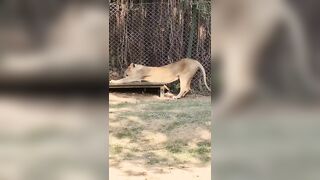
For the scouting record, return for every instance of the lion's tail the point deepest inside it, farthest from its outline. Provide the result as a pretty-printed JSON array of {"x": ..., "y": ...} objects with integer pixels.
[{"x": 204, "y": 75}]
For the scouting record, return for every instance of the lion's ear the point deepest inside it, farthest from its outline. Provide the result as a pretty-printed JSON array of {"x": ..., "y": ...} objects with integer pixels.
[{"x": 132, "y": 65}]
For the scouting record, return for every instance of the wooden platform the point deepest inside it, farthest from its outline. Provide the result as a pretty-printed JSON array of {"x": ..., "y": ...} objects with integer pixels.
[{"x": 141, "y": 85}]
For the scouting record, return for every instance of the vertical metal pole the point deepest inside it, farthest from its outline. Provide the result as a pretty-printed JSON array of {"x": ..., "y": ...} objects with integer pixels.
[{"x": 162, "y": 92}]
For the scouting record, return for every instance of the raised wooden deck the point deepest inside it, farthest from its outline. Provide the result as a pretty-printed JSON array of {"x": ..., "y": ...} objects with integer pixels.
[{"x": 142, "y": 85}]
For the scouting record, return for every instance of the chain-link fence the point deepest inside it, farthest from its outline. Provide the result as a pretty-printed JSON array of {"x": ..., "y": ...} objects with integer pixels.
[{"x": 159, "y": 33}]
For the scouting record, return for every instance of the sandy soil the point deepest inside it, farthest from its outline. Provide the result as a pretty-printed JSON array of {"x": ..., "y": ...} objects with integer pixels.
[{"x": 143, "y": 155}]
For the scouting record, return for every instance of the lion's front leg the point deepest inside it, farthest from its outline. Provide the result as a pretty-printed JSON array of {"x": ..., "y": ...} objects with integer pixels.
[{"x": 125, "y": 80}]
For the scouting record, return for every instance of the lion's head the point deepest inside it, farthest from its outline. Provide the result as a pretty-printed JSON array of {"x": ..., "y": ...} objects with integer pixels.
[{"x": 133, "y": 69}]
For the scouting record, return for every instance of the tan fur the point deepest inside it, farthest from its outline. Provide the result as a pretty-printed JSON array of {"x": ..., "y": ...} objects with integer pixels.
[{"x": 184, "y": 70}]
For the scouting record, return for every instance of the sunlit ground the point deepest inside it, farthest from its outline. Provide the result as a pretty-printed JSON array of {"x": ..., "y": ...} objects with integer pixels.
[{"x": 152, "y": 138}]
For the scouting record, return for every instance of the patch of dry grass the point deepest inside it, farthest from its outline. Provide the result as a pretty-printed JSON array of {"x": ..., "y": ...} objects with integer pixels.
[{"x": 150, "y": 132}]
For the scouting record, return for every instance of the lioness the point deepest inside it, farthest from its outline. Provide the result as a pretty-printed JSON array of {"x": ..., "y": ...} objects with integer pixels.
[{"x": 184, "y": 70}]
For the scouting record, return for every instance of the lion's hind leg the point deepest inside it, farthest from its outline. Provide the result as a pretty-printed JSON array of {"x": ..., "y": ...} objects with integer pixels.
[{"x": 184, "y": 88}]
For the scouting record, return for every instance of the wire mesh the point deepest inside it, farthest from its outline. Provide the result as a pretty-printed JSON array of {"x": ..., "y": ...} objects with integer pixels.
[{"x": 159, "y": 33}]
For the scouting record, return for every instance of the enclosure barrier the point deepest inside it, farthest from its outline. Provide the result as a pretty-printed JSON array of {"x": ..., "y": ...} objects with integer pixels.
[{"x": 159, "y": 33}]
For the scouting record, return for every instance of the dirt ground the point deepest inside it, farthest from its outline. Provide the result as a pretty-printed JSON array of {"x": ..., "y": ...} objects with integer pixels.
[{"x": 159, "y": 139}]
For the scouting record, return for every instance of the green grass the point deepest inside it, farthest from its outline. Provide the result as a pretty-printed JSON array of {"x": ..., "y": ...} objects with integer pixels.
[
  {"x": 202, "y": 151},
  {"x": 173, "y": 125},
  {"x": 130, "y": 133},
  {"x": 176, "y": 147},
  {"x": 164, "y": 117},
  {"x": 120, "y": 105},
  {"x": 116, "y": 149},
  {"x": 152, "y": 158}
]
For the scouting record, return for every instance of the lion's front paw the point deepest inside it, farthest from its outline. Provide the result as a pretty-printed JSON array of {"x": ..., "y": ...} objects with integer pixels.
[{"x": 113, "y": 82}]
